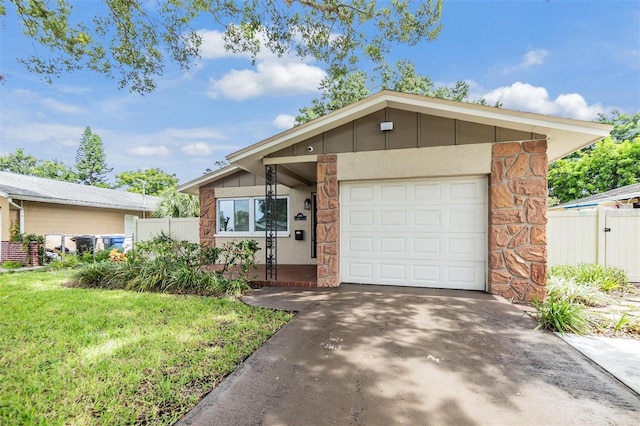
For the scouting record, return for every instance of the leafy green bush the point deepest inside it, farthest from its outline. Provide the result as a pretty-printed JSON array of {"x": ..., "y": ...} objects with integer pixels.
[
  {"x": 232, "y": 287},
  {"x": 563, "y": 315},
  {"x": 605, "y": 278},
  {"x": 88, "y": 257},
  {"x": 68, "y": 261},
  {"x": 165, "y": 265},
  {"x": 12, "y": 264}
]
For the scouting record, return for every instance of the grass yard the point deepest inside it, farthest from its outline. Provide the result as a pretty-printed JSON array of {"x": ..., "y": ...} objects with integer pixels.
[{"x": 85, "y": 356}]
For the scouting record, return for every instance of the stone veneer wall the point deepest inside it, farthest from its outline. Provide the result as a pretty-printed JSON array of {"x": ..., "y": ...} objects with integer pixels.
[
  {"x": 518, "y": 219},
  {"x": 207, "y": 217},
  {"x": 328, "y": 226}
]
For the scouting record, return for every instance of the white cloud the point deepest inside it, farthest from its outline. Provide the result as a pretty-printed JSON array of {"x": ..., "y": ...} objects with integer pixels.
[
  {"x": 534, "y": 57},
  {"x": 194, "y": 133},
  {"x": 149, "y": 151},
  {"x": 34, "y": 132},
  {"x": 198, "y": 148},
  {"x": 284, "y": 121},
  {"x": 270, "y": 78},
  {"x": 61, "y": 107},
  {"x": 525, "y": 97},
  {"x": 530, "y": 59},
  {"x": 212, "y": 45}
]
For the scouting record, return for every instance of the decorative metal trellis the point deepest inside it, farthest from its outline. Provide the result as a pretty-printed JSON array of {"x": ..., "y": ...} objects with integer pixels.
[{"x": 270, "y": 215}]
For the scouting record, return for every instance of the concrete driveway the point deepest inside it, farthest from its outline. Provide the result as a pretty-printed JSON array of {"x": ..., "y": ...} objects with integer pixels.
[{"x": 374, "y": 355}]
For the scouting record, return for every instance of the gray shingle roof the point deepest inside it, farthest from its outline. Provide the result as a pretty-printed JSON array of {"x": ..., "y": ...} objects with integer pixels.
[
  {"x": 622, "y": 193},
  {"x": 31, "y": 188}
]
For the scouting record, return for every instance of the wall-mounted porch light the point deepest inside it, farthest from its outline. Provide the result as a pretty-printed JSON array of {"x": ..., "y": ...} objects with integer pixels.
[{"x": 307, "y": 204}]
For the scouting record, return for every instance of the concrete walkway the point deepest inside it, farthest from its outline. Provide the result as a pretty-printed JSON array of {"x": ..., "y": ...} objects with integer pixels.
[
  {"x": 374, "y": 355},
  {"x": 619, "y": 357}
]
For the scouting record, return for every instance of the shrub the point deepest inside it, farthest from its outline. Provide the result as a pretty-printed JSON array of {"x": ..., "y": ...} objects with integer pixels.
[
  {"x": 568, "y": 289},
  {"x": 605, "y": 278},
  {"x": 563, "y": 316},
  {"x": 232, "y": 287},
  {"x": 68, "y": 261},
  {"x": 98, "y": 275},
  {"x": 12, "y": 264},
  {"x": 165, "y": 265},
  {"x": 99, "y": 256}
]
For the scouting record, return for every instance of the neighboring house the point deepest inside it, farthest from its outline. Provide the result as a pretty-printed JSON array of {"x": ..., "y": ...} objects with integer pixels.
[
  {"x": 402, "y": 190},
  {"x": 45, "y": 206},
  {"x": 624, "y": 197}
]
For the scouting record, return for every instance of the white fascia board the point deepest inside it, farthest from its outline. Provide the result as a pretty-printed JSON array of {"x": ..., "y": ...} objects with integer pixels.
[
  {"x": 192, "y": 187},
  {"x": 81, "y": 203}
]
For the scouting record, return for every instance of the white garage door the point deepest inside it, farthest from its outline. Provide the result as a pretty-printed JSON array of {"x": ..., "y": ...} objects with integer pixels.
[{"x": 422, "y": 232}]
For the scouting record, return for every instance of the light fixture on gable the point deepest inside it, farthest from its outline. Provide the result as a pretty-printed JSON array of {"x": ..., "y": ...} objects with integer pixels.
[{"x": 385, "y": 126}]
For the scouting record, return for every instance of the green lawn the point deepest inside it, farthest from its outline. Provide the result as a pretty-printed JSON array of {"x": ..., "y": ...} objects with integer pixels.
[{"x": 86, "y": 356}]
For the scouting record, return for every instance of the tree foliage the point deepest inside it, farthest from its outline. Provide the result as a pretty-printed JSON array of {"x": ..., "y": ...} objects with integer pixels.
[
  {"x": 91, "y": 161},
  {"x": 150, "y": 181},
  {"x": 340, "y": 89},
  {"x": 177, "y": 204},
  {"x": 131, "y": 40},
  {"x": 18, "y": 162},
  {"x": 26, "y": 164},
  {"x": 611, "y": 163}
]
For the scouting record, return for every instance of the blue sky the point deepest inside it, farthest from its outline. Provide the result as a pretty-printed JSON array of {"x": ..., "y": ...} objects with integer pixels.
[{"x": 566, "y": 58}]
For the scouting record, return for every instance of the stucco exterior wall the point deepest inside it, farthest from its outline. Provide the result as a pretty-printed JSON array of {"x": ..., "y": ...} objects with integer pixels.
[
  {"x": 290, "y": 250},
  {"x": 439, "y": 161},
  {"x": 5, "y": 220}
]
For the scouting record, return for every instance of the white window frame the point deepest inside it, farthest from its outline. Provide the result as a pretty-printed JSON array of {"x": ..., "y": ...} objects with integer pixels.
[{"x": 252, "y": 204}]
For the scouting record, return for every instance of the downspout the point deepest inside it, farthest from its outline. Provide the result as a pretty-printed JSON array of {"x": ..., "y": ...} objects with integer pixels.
[{"x": 11, "y": 203}]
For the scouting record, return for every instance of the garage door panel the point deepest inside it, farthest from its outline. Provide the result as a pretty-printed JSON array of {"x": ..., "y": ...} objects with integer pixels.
[
  {"x": 464, "y": 191},
  {"x": 361, "y": 193},
  {"x": 427, "y": 232},
  {"x": 392, "y": 245},
  {"x": 360, "y": 245},
  {"x": 427, "y": 191},
  {"x": 360, "y": 271},
  {"x": 391, "y": 271}
]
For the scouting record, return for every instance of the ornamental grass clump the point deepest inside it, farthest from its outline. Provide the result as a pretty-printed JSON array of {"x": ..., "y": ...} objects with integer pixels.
[
  {"x": 562, "y": 315},
  {"x": 604, "y": 278},
  {"x": 573, "y": 290}
]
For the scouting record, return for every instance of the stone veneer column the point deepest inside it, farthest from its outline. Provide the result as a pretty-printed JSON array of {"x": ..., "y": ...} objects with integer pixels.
[
  {"x": 328, "y": 224},
  {"x": 207, "y": 217},
  {"x": 517, "y": 220}
]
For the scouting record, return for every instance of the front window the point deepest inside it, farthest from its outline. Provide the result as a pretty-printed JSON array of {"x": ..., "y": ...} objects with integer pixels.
[{"x": 247, "y": 215}]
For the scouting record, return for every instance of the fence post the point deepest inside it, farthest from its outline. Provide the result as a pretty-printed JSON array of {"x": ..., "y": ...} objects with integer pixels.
[{"x": 601, "y": 236}]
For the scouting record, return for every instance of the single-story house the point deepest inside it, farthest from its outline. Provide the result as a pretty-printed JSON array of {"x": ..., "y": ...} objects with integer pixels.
[
  {"x": 41, "y": 206},
  {"x": 623, "y": 197},
  {"x": 399, "y": 189}
]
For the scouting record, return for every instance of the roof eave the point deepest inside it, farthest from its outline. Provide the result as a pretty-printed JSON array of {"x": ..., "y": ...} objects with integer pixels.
[
  {"x": 78, "y": 203},
  {"x": 563, "y": 135},
  {"x": 192, "y": 187}
]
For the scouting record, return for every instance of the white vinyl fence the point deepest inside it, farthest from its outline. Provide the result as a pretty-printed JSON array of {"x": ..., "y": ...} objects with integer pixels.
[
  {"x": 186, "y": 228},
  {"x": 609, "y": 237}
]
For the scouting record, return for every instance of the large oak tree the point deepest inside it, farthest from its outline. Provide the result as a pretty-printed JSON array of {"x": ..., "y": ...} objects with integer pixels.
[{"x": 132, "y": 40}]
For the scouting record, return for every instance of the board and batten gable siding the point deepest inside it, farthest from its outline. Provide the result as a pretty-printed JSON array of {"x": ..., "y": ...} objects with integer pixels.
[
  {"x": 410, "y": 130},
  {"x": 45, "y": 218}
]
